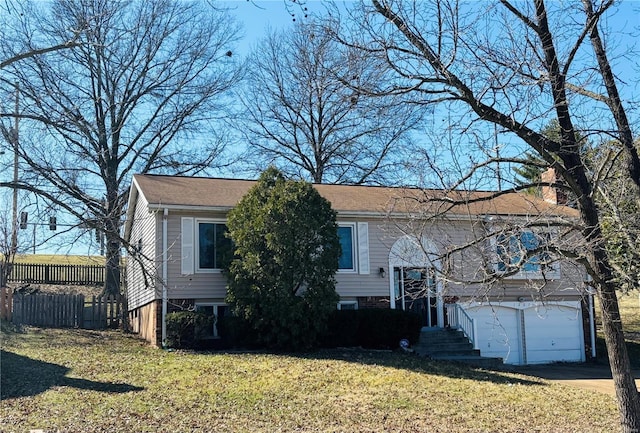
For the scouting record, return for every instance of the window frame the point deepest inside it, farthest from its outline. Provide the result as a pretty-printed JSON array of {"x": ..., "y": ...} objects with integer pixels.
[
  {"x": 215, "y": 305},
  {"x": 341, "y": 303},
  {"x": 354, "y": 248},
  {"x": 197, "y": 222},
  {"x": 550, "y": 271}
]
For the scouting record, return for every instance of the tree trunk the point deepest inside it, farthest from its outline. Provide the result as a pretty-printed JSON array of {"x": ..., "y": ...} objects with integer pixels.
[
  {"x": 113, "y": 243},
  {"x": 112, "y": 266},
  {"x": 627, "y": 395},
  {"x": 626, "y": 391}
]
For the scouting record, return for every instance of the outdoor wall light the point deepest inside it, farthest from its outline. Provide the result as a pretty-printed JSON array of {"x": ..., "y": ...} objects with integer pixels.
[{"x": 382, "y": 273}]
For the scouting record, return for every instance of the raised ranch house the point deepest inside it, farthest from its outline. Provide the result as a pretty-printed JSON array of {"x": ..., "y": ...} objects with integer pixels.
[{"x": 393, "y": 244}]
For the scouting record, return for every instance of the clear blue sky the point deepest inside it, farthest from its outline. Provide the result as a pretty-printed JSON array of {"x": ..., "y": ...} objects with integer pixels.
[{"x": 257, "y": 15}]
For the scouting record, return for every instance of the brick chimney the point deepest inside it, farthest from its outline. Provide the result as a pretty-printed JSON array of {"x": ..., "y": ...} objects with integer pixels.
[{"x": 551, "y": 194}]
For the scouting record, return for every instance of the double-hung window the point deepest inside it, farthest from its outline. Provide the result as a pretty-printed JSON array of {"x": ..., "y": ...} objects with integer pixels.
[
  {"x": 354, "y": 241},
  {"x": 346, "y": 234},
  {"x": 213, "y": 247}
]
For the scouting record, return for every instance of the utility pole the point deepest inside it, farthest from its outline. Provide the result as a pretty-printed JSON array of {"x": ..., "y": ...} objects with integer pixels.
[{"x": 15, "y": 139}]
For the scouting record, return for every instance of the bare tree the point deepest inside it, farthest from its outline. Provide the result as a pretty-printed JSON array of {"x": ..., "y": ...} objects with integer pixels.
[
  {"x": 304, "y": 114},
  {"x": 519, "y": 66},
  {"x": 619, "y": 213},
  {"x": 141, "y": 93}
]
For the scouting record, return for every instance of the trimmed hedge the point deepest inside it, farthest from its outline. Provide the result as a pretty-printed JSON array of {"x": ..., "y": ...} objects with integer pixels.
[
  {"x": 372, "y": 328},
  {"x": 186, "y": 329},
  {"x": 368, "y": 328}
]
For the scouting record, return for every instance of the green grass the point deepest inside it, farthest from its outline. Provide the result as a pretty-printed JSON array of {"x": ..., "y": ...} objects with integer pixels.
[{"x": 76, "y": 380}]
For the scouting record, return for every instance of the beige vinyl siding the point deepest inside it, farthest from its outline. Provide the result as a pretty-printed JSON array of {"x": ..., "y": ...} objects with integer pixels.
[
  {"x": 213, "y": 284},
  {"x": 382, "y": 235},
  {"x": 198, "y": 284},
  {"x": 353, "y": 284},
  {"x": 144, "y": 228},
  {"x": 468, "y": 265}
]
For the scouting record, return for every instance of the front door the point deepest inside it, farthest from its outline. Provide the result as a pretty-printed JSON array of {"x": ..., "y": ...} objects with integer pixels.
[{"x": 415, "y": 290}]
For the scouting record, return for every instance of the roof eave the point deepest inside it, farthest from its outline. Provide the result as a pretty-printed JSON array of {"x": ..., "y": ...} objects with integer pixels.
[
  {"x": 131, "y": 206},
  {"x": 180, "y": 207}
]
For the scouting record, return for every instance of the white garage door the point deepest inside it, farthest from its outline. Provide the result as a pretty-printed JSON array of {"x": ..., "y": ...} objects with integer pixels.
[
  {"x": 498, "y": 332},
  {"x": 553, "y": 333},
  {"x": 523, "y": 333}
]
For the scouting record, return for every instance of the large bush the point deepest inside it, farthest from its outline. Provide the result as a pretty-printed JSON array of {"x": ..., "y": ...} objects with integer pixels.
[{"x": 282, "y": 277}]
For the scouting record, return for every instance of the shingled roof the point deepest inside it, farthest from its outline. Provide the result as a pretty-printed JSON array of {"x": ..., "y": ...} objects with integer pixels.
[{"x": 177, "y": 192}]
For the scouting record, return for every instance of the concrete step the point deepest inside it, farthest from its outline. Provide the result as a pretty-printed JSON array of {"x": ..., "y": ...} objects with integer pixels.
[
  {"x": 452, "y": 345},
  {"x": 448, "y": 352},
  {"x": 443, "y": 335},
  {"x": 456, "y": 345}
]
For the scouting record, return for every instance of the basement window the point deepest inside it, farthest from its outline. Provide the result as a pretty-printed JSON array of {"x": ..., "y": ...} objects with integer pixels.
[
  {"x": 216, "y": 310},
  {"x": 348, "y": 305}
]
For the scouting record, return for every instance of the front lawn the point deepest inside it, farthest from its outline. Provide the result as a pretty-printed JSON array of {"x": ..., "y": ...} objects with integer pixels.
[{"x": 86, "y": 381}]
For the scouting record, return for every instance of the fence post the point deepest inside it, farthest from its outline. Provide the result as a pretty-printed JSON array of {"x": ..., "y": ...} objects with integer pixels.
[
  {"x": 6, "y": 300},
  {"x": 53, "y": 308},
  {"x": 80, "y": 311},
  {"x": 64, "y": 298},
  {"x": 28, "y": 307},
  {"x": 17, "y": 309}
]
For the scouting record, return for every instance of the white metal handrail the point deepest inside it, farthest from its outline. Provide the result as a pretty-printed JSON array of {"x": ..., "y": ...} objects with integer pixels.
[{"x": 459, "y": 319}]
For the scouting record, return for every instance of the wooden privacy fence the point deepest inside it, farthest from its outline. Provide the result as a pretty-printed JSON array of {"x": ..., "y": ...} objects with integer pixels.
[
  {"x": 57, "y": 274},
  {"x": 39, "y": 273},
  {"x": 105, "y": 312},
  {"x": 69, "y": 311}
]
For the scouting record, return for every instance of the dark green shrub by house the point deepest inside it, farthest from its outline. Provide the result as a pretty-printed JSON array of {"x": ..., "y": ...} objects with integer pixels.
[
  {"x": 185, "y": 329},
  {"x": 282, "y": 278}
]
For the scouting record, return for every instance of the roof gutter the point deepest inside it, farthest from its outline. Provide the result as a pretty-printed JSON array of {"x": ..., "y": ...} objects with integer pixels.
[
  {"x": 369, "y": 214},
  {"x": 177, "y": 207}
]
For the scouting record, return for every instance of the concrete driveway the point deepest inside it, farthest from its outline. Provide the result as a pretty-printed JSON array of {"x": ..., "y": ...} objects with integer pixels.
[{"x": 586, "y": 376}]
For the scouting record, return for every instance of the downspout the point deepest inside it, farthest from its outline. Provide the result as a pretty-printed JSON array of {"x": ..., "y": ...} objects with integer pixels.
[
  {"x": 592, "y": 322},
  {"x": 392, "y": 292},
  {"x": 164, "y": 277},
  {"x": 439, "y": 302},
  {"x": 591, "y": 292}
]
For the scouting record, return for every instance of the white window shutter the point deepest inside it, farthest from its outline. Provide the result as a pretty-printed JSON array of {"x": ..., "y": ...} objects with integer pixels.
[
  {"x": 363, "y": 248},
  {"x": 187, "y": 255}
]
